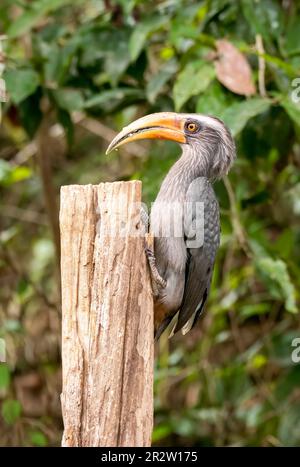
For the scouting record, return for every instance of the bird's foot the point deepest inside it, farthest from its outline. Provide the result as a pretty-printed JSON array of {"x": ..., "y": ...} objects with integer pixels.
[{"x": 158, "y": 282}]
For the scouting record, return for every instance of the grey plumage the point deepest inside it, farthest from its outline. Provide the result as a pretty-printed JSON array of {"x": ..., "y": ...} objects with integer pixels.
[
  {"x": 188, "y": 268},
  {"x": 185, "y": 215}
]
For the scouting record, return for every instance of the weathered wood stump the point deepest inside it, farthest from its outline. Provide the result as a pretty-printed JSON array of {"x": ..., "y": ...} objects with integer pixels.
[{"x": 107, "y": 317}]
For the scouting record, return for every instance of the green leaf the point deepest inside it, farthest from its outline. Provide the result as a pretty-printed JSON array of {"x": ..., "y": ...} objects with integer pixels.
[
  {"x": 237, "y": 115},
  {"x": 185, "y": 25},
  {"x": 157, "y": 83},
  {"x": 276, "y": 270},
  {"x": 292, "y": 109},
  {"x": 108, "y": 47},
  {"x": 258, "y": 361},
  {"x": 69, "y": 99},
  {"x": 23, "y": 24},
  {"x": 58, "y": 61},
  {"x": 287, "y": 67},
  {"x": 292, "y": 43},
  {"x": 117, "y": 57},
  {"x": 19, "y": 173},
  {"x": 264, "y": 16},
  {"x": 192, "y": 80},
  {"x": 141, "y": 32},
  {"x": 214, "y": 101},
  {"x": 161, "y": 432},
  {"x": 11, "y": 411},
  {"x": 108, "y": 101},
  {"x": 10, "y": 174},
  {"x": 288, "y": 383},
  {"x": 21, "y": 83},
  {"x": 254, "y": 309},
  {"x": 4, "y": 374},
  {"x": 38, "y": 439},
  {"x": 285, "y": 242},
  {"x": 31, "y": 120},
  {"x": 32, "y": 15}
]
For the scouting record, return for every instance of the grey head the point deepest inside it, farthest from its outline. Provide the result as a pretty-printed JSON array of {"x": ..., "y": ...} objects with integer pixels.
[{"x": 199, "y": 135}]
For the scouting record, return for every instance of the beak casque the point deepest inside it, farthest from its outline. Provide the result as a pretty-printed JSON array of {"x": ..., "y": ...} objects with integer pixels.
[{"x": 162, "y": 125}]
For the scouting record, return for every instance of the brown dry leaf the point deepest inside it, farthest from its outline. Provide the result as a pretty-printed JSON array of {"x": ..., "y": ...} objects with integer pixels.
[{"x": 233, "y": 69}]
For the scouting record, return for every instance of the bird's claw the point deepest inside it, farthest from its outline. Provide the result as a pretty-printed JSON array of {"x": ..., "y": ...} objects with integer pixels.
[
  {"x": 157, "y": 280},
  {"x": 160, "y": 281}
]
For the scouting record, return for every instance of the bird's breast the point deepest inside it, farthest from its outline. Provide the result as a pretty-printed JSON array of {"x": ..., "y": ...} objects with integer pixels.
[{"x": 166, "y": 225}]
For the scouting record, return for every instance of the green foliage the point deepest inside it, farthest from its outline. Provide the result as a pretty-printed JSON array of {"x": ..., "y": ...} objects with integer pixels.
[
  {"x": 292, "y": 109},
  {"x": 21, "y": 83},
  {"x": 38, "y": 439},
  {"x": 85, "y": 67},
  {"x": 142, "y": 31},
  {"x": 4, "y": 376},
  {"x": 192, "y": 81},
  {"x": 33, "y": 13},
  {"x": 11, "y": 411},
  {"x": 157, "y": 83},
  {"x": 238, "y": 114},
  {"x": 276, "y": 270},
  {"x": 10, "y": 175}
]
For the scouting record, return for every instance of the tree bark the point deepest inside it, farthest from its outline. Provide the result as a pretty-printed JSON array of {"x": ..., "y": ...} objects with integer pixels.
[{"x": 107, "y": 317}]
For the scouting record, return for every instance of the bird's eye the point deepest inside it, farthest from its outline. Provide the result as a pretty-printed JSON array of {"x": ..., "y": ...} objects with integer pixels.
[{"x": 192, "y": 127}]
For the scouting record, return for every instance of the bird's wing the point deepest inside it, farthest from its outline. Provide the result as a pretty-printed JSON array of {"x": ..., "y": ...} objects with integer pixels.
[{"x": 202, "y": 238}]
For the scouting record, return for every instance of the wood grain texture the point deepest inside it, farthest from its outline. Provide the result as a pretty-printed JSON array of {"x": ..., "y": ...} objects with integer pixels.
[{"x": 107, "y": 317}]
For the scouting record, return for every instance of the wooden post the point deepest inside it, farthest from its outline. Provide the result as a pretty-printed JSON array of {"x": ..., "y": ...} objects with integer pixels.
[{"x": 107, "y": 317}]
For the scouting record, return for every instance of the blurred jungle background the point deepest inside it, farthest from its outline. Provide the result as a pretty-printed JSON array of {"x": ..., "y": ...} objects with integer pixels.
[{"x": 76, "y": 72}]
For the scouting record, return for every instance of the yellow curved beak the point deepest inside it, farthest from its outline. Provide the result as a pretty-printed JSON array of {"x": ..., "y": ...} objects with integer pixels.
[{"x": 162, "y": 125}]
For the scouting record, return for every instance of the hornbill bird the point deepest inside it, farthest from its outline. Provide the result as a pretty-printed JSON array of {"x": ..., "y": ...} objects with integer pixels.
[{"x": 184, "y": 218}]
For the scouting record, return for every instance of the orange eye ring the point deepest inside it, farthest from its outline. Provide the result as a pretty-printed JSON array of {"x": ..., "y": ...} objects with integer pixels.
[{"x": 191, "y": 127}]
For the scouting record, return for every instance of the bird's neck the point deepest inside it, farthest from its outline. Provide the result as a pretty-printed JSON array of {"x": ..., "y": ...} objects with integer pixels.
[{"x": 189, "y": 166}]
